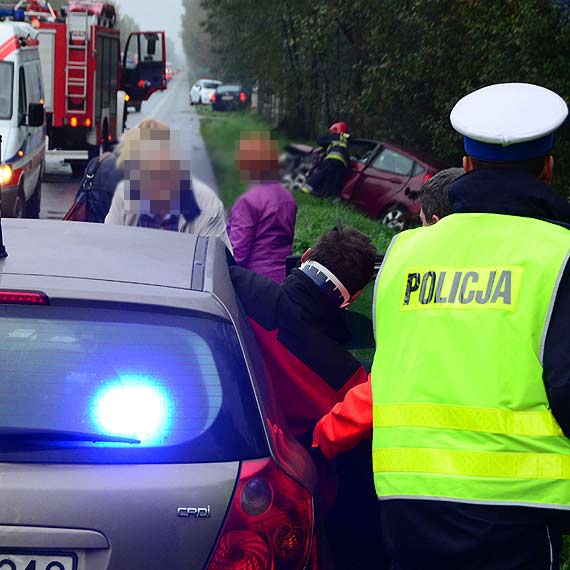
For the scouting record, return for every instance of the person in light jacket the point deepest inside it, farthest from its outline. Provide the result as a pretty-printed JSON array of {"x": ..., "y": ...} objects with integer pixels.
[
  {"x": 158, "y": 192},
  {"x": 262, "y": 221}
]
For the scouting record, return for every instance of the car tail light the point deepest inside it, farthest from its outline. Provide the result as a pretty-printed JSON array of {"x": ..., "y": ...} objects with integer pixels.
[
  {"x": 213, "y": 97},
  {"x": 242, "y": 97},
  {"x": 87, "y": 122},
  {"x": 23, "y": 298},
  {"x": 73, "y": 121},
  {"x": 269, "y": 523},
  {"x": 427, "y": 177}
]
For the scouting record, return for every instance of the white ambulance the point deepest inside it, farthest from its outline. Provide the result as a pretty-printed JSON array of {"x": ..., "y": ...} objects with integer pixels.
[{"x": 22, "y": 128}]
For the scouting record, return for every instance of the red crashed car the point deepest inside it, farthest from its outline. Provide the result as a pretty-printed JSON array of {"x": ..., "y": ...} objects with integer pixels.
[{"x": 383, "y": 182}]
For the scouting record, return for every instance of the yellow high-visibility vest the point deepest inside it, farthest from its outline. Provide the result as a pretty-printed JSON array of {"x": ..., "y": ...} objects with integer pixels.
[{"x": 460, "y": 408}]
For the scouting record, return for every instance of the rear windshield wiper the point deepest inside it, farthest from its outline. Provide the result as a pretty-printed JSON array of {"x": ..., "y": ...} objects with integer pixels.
[{"x": 31, "y": 434}]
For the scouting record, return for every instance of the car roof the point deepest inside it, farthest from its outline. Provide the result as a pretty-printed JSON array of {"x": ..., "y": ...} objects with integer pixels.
[
  {"x": 128, "y": 264},
  {"x": 418, "y": 156},
  {"x": 98, "y": 251}
]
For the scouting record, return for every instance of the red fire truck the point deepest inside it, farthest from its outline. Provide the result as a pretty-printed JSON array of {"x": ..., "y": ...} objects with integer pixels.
[{"x": 85, "y": 83}]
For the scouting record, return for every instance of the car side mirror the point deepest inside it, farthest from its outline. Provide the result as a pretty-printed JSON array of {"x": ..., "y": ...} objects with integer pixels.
[{"x": 36, "y": 115}]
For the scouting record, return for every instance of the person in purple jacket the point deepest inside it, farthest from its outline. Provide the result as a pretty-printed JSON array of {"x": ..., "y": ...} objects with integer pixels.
[{"x": 262, "y": 221}]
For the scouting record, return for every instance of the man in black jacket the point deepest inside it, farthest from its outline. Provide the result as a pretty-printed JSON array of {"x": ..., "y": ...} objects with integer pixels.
[
  {"x": 300, "y": 328},
  {"x": 330, "y": 175}
]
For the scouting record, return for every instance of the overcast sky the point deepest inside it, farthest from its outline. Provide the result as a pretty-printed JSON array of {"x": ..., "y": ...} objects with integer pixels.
[{"x": 146, "y": 15}]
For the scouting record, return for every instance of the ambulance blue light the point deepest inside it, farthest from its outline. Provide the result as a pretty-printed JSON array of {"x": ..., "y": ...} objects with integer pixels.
[
  {"x": 134, "y": 406},
  {"x": 19, "y": 15}
]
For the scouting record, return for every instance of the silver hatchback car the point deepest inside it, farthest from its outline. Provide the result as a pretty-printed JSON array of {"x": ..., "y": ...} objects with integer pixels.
[{"x": 136, "y": 429}]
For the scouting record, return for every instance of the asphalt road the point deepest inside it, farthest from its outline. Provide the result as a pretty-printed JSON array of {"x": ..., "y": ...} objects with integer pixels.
[{"x": 171, "y": 107}]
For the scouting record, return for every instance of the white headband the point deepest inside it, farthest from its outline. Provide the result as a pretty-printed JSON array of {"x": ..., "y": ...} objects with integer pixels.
[{"x": 330, "y": 277}]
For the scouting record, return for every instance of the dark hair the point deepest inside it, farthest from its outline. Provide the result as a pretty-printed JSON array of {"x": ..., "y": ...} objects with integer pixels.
[
  {"x": 532, "y": 166},
  {"x": 347, "y": 253},
  {"x": 434, "y": 194}
]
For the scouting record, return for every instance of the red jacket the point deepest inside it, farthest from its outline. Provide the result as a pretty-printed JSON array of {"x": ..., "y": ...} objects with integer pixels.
[
  {"x": 348, "y": 423},
  {"x": 299, "y": 331}
]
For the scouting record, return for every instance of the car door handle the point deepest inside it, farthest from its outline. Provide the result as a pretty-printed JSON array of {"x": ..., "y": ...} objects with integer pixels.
[{"x": 395, "y": 180}]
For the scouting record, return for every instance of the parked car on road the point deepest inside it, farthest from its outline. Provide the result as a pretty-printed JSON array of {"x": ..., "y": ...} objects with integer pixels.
[
  {"x": 202, "y": 91},
  {"x": 135, "y": 412},
  {"x": 383, "y": 180},
  {"x": 230, "y": 98}
]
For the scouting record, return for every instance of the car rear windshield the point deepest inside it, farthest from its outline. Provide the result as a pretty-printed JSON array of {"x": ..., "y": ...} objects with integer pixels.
[
  {"x": 210, "y": 85},
  {"x": 6, "y": 88},
  {"x": 176, "y": 384},
  {"x": 228, "y": 88}
]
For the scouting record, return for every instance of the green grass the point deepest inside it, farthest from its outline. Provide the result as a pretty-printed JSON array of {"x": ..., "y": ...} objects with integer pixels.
[{"x": 222, "y": 131}]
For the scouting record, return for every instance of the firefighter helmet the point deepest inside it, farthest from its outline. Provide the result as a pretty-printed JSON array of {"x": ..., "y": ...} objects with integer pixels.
[{"x": 338, "y": 128}]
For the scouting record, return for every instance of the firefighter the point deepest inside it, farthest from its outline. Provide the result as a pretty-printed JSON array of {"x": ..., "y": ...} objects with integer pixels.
[
  {"x": 329, "y": 178},
  {"x": 469, "y": 400}
]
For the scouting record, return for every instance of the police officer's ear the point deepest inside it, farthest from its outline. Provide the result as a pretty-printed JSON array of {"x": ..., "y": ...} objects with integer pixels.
[
  {"x": 547, "y": 170},
  {"x": 468, "y": 165}
]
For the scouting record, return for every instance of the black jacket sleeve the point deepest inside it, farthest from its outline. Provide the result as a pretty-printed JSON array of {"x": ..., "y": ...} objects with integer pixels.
[
  {"x": 556, "y": 358},
  {"x": 325, "y": 140}
]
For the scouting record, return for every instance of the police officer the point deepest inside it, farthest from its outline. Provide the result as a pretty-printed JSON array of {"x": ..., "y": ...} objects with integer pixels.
[
  {"x": 471, "y": 379},
  {"x": 329, "y": 178}
]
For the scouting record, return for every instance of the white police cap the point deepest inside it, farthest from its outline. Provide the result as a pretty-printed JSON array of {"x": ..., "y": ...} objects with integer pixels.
[{"x": 509, "y": 121}]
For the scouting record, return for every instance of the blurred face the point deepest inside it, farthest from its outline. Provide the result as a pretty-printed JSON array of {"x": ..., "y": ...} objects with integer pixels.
[
  {"x": 258, "y": 157},
  {"x": 153, "y": 185}
]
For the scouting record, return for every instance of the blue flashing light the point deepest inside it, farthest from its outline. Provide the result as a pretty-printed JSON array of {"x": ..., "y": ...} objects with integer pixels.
[
  {"x": 133, "y": 406},
  {"x": 18, "y": 15}
]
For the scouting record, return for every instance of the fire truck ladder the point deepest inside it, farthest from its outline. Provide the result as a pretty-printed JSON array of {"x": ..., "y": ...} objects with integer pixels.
[{"x": 77, "y": 58}]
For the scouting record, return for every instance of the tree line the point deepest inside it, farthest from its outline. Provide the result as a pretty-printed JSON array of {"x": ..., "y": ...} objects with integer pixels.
[{"x": 392, "y": 69}]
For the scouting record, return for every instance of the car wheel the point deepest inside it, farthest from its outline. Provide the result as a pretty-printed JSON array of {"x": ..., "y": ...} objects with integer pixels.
[
  {"x": 34, "y": 203},
  {"x": 298, "y": 180},
  {"x": 19, "y": 209},
  {"x": 396, "y": 218}
]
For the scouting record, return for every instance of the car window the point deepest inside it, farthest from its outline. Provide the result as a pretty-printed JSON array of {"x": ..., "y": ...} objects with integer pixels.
[
  {"x": 361, "y": 150},
  {"x": 6, "y": 88},
  {"x": 418, "y": 169},
  {"x": 22, "y": 99},
  {"x": 177, "y": 384},
  {"x": 211, "y": 85},
  {"x": 228, "y": 88},
  {"x": 393, "y": 161},
  {"x": 32, "y": 83}
]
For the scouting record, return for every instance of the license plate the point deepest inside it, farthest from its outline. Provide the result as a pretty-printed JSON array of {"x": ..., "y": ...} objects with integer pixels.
[
  {"x": 10, "y": 561},
  {"x": 224, "y": 98}
]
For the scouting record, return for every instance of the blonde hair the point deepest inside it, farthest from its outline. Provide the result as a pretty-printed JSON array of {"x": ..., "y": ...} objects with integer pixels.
[{"x": 136, "y": 141}]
